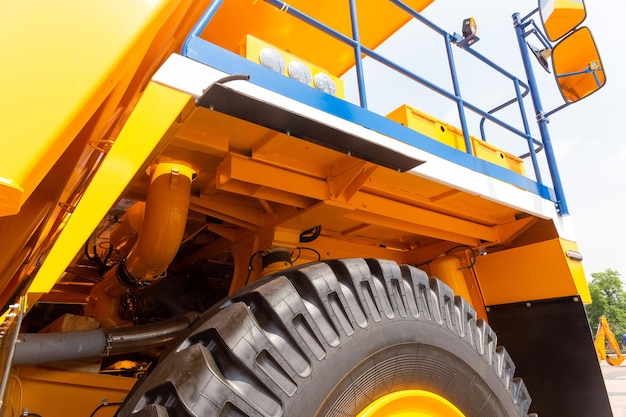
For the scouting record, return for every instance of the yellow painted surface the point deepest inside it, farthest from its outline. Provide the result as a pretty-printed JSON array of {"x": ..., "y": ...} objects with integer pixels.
[
  {"x": 152, "y": 118},
  {"x": 69, "y": 62},
  {"x": 452, "y": 136},
  {"x": 57, "y": 393},
  {"x": 533, "y": 272},
  {"x": 411, "y": 403}
]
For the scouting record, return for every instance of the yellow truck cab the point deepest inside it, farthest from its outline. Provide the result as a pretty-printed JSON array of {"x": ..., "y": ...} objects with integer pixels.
[{"x": 206, "y": 211}]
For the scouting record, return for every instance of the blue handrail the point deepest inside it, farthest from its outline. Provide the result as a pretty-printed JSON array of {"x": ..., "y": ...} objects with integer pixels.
[
  {"x": 360, "y": 76},
  {"x": 521, "y": 89},
  {"x": 456, "y": 96}
]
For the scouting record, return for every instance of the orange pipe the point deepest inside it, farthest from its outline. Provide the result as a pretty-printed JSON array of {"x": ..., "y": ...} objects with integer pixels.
[
  {"x": 161, "y": 233},
  {"x": 164, "y": 223},
  {"x": 448, "y": 269}
]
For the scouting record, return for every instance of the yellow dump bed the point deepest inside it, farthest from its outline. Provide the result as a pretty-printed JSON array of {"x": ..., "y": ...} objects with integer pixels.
[{"x": 73, "y": 69}]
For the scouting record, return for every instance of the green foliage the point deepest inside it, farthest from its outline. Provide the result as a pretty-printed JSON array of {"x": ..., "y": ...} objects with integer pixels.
[{"x": 609, "y": 300}]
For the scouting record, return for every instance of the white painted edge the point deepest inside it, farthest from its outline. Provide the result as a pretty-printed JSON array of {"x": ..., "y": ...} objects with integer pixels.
[{"x": 193, "y": 77}]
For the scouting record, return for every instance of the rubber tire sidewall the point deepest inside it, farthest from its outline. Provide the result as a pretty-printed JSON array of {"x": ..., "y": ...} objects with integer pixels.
[{"x": 455, "y": 371}]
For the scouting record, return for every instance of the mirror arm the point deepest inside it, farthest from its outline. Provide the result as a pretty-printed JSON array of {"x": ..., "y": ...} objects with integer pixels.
[
  {"x": 595, "y": 76},
  {"x": 523, "y": 19},
  {"x": 571, "y": 74},
  {"x": 561, "y": 107},
  {"x": 535, "y": 30},
  {"x": 539, "y": 34},
  {"x": 587, "y": 70}
]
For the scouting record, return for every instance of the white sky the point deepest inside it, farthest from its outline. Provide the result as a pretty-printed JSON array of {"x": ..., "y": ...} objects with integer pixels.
[{"x": 588, "y": 136}]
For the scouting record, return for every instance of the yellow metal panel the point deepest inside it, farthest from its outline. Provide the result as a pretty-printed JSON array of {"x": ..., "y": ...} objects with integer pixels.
[
  {"x": 66, "y": 61},
  {"x": 155, "y": 112},
  {"x": 452, "y": 136},
  {"x": 541, "y": 271}
]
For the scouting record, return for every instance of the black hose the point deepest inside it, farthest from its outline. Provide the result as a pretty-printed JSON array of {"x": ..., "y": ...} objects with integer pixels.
[
  {"x": 104, "y": 404},
  {"x": 129, "y": 339},
  {"x": 39, "y": 348}
]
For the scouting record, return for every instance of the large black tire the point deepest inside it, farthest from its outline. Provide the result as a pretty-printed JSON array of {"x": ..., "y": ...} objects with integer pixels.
[{"x": 326, "y": 339}]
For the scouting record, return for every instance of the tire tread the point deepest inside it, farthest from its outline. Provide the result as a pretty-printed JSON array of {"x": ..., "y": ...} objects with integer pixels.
[{"x": 255, "y": 350}]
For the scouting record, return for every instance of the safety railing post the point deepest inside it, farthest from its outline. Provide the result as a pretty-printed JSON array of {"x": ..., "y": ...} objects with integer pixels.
[
  {"x": 542, "y": 120},
  {"x": 358, "y": 54}
]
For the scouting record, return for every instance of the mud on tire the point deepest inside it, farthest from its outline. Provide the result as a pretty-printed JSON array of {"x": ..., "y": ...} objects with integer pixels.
[{"x": 326, "y": 339}]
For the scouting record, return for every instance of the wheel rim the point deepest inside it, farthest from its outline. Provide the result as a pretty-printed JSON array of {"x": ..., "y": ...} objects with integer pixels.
[{"x": 411, "y": 403}]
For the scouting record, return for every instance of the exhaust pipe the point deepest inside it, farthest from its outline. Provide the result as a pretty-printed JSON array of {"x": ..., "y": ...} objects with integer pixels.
[{"x": 161, "y": 233}]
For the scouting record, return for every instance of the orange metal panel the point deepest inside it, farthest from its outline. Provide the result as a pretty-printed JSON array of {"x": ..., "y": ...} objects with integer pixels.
[
  {"x": 57, "y": 393},
  {"x": 397, "y": 211},
  {"x": 542, "y": 271}
]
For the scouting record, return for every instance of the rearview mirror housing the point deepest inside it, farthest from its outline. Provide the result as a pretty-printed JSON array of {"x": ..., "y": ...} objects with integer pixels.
[
  {"x": 577, "y": 66},
  {"x": 560, "y": 17}
]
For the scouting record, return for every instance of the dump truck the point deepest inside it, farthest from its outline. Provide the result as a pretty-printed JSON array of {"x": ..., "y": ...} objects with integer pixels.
[{"x": 250, "y": 208}]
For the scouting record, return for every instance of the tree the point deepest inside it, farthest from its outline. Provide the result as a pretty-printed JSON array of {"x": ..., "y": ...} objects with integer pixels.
[{"x": 609, "y": 300}]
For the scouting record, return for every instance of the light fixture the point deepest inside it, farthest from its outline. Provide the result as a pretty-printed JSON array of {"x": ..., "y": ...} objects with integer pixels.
[
  {"x": 299, "y": 71},
  {"x": 469, "y": 27},
  {"x": 324, "y": 83},
  {"x": 574, "y": 255},
  {"x": 272, "y": 59},
  {"x": 469, "y": 31},
  {"x": 542, "y": 55}
]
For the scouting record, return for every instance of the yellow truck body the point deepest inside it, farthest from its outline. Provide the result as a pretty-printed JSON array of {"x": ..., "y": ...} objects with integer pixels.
[{"x": 158, "y": 156}]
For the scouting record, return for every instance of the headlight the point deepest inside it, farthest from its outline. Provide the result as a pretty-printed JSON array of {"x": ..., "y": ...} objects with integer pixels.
[
  {"x": 272, "y": 59},
  {"x": 324, "y": 83},
  {"x": 299, "y": 71}
]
